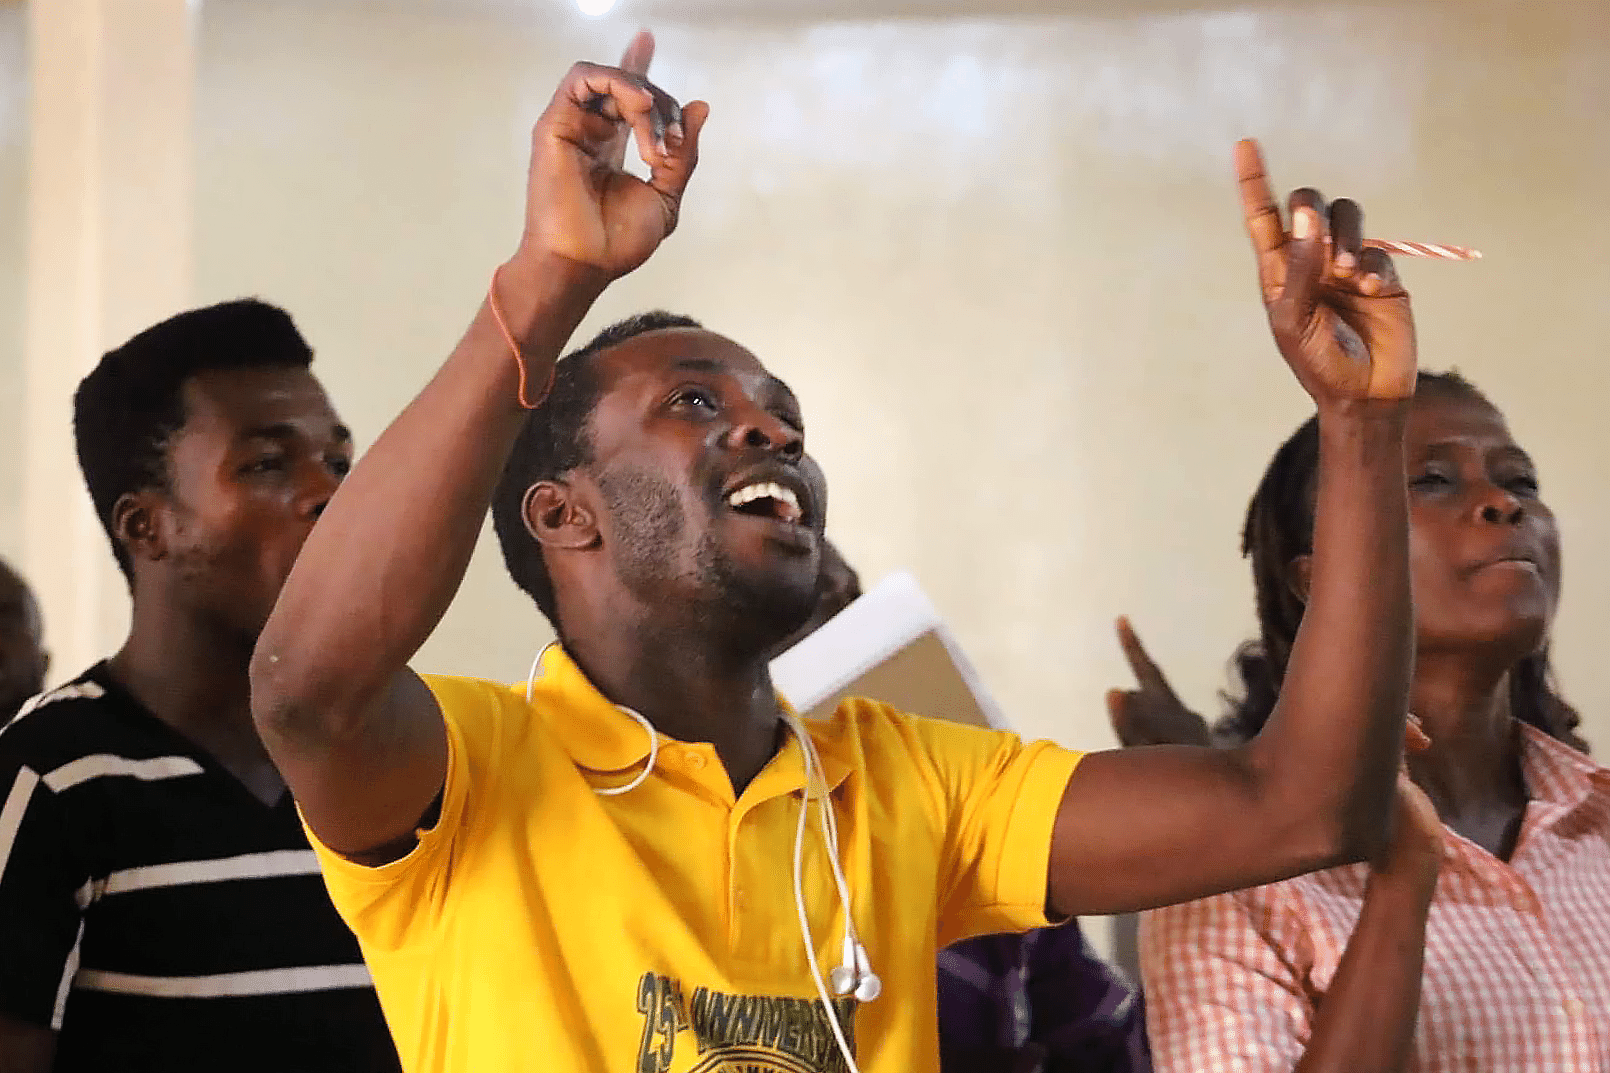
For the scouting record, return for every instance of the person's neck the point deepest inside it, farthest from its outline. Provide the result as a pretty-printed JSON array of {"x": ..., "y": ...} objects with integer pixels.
[
  {"x": 1472, "y": 770},
  {"x": 689, "y": 685},
  {"x": 195, "y": 679}
]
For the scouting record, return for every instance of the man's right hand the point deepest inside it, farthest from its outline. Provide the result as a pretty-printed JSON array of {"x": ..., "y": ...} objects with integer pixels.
[
  {"x": 360, "y": 739},
  {"x": 581, "y": 206}
]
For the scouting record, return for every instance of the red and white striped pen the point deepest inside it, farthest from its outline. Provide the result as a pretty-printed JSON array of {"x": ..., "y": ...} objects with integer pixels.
[{"x": 1434, "y": 250}]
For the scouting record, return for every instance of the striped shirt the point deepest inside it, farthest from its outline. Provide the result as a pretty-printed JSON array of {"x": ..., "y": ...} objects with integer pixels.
[
  {"x": 159, "y": 916},
  {"x": 1517, "y": 967}
]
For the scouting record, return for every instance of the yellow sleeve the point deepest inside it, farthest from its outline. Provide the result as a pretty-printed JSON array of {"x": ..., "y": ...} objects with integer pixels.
[
  {"x": 997, "y": 800},
  {"x": 394, "y": 905}
]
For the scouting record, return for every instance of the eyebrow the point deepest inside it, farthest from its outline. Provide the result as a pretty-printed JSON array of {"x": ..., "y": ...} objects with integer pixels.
[
  {"x": 1514, "y": 451},
  {"x": 1509, "y": 450},
  {"x": 287, "y": 431},
  {"x": 701, "y": 365}
]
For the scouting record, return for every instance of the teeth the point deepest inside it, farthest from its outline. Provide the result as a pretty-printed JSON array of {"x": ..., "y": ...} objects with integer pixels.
[{"x": 765, "y": 490}]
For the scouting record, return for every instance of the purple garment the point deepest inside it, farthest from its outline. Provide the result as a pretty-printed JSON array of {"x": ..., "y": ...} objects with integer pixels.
[{"x": 1040, "y": 1002}]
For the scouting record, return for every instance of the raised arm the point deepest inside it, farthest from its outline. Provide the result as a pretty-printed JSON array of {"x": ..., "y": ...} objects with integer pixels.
[
  {"x": 357, "y": 736},
  {"x": 1146, "y": 827}
]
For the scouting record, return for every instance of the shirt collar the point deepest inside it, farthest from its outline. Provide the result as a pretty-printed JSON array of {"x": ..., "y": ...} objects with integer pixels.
[
  {"x": 597, "y": 735},
  {"x": 1559, "y": 775},
  {"x": 601, "y": 737},
  {"x": 785, "y": 773}
]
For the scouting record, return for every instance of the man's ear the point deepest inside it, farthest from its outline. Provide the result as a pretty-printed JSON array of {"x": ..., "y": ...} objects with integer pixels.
[
  {"x": 1300, "y": 576},
  {"x": 137, "y": 524},
  {"x": 557, "y": 517}
]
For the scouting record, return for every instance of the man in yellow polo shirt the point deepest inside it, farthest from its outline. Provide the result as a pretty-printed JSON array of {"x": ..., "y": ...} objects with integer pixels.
[
  {"x": 656, "y": 928},
  {"x": 639, "y": 860}
]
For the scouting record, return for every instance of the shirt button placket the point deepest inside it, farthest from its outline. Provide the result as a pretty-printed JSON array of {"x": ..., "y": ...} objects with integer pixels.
[{"x": 737, "y": 890}]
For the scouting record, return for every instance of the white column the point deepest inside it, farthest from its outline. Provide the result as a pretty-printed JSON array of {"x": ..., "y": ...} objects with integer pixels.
[{"x": 109, "y": 253}]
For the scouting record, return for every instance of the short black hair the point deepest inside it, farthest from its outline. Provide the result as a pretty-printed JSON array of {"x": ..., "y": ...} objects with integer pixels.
[
  {"x": 126, "y": 411},
  {"x": 555, "y": 440},
  {"x": 1279, "y": 528},
  {"x": 18, "y": 605}
]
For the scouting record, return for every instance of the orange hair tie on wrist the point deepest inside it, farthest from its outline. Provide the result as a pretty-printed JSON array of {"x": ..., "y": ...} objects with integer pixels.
[{"x": 514, "y": 348}]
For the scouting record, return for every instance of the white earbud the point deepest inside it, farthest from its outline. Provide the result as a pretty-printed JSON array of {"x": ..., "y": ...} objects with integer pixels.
[
  {"x": 854, "y": 976},
  {"x": 870, "y": 985},
  {"x": 869, "y": 988},
  {"x": 846, "y": 976}
]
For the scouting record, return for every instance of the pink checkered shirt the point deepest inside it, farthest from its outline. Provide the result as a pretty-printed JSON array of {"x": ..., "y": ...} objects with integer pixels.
[{"x": 1517, "y": 969}]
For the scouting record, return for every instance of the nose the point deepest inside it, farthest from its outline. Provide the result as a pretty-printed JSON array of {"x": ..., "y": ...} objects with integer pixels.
[
  {"x": 1498, "y": 506},
  {"x": 759, "y": 429},
  {"x": 317, "y": 487}
]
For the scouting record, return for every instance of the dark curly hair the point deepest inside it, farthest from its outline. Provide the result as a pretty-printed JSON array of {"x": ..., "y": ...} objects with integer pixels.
[{"x": 1279, "y": 528}]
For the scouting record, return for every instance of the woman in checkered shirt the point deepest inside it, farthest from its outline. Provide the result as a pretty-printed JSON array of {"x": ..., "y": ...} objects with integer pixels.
[{"x": 1321, "y": 972}]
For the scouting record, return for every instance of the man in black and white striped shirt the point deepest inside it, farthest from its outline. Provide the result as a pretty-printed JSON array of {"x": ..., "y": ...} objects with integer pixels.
[{"x": 160, "y": 908}]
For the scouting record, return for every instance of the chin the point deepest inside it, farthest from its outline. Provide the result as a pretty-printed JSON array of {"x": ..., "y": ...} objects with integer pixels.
[
  {"x": 759, "y": 601},
  {"x": 766, "y": 613},
  {"x": 783, "y": 613},
  {"x": 1509, "y": 636}
]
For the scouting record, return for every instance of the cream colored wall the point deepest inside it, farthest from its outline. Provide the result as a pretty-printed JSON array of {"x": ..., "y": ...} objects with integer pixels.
[
  {"x": 13, "y": 261},
  {"x": 999, "y": 258},
  {"x": 997, "y": 255}
]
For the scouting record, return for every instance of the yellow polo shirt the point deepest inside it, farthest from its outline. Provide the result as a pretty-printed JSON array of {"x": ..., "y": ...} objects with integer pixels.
[{"x": 541, "y": 927}]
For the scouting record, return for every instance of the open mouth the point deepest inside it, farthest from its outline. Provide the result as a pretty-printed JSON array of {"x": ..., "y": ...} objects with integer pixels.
[{"x": 767, "y": 499}]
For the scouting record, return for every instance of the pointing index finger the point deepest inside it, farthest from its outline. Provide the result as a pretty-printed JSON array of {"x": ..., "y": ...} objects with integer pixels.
[
  {"x": 1262, "y": 216},
  {"x": 635, "y": 61},
  {"x": 639, "y": 54},
  {"x": 1147, "y": 673}
]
